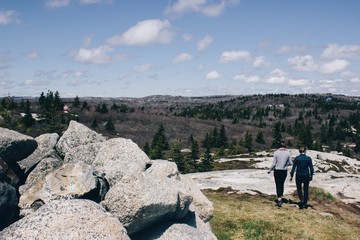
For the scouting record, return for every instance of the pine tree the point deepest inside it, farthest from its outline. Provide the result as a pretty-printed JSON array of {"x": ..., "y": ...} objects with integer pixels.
[
  {"x": 214, "y": 142},
  {"x": 194, "y": 148},
  {"x": 248, "y": 141},
  {"x": 104, "y": 108},
  {"x": 109, "y": 126},
  {"x": 159, "y": 144},
  {"x": 85, "y": 106},
  {"x": 76, "y": 102},
  {"x": 28, "y": 120},
  {"x": 223, "y": 140},
  {"x": 178, "y": 158},
  {"x": 94, "y": 123},
  {"x": 276, "y": 135},
  {"x": 206, "y": 164},
  {"x": 260, "y": 138}
]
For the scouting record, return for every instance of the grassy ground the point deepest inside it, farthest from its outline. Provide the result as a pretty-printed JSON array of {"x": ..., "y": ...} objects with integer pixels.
[{"x": 242, "y": 216}]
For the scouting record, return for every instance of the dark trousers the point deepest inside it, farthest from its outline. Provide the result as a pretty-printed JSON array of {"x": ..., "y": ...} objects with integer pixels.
[
  {"x": 302, "y": 182},
  {"x": 280, "y": 176}
]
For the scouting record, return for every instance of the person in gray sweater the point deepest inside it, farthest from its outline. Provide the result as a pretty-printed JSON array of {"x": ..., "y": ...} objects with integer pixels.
[{"x": 281, "y": 161}]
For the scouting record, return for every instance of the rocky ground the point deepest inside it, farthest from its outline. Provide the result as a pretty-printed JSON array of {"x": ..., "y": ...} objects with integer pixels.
[{"x": 335, "y": 173}]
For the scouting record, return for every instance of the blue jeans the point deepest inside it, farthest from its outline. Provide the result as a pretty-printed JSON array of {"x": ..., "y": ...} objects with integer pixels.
[{"x": 302, "y": 182}]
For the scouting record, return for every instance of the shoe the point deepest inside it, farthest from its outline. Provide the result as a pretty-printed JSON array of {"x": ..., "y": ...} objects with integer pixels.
[
  {"x": 279, "y": 204},
  {"x": 300, "y": 205},
  {"x": 305, "y": 206}
]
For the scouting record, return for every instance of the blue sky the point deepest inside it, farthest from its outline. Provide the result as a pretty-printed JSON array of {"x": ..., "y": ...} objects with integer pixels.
[{"x": 133, "y": 48}]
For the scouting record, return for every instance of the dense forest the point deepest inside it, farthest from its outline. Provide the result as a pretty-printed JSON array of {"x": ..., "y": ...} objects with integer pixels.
[{"x": 194, "y": 131}]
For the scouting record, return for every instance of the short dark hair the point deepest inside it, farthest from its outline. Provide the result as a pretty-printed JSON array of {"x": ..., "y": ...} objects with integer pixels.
[
  {"x": 302, "y": 149},
  {"x": 282, "y": 144}
]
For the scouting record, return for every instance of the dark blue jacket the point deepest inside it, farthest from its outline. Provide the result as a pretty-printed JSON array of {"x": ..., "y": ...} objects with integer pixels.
[{"x": 303, "y": 166}]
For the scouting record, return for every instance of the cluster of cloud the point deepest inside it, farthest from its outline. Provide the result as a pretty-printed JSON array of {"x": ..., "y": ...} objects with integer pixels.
[
  {"x": 332, "y": 62},
  {"x": 65, "y": 3},
  {"x": 205, "y": 7},
  {"x": 330, "y": 66},
  {"x": 8, "y": 17},
  {"x": 332, "y": 59}
]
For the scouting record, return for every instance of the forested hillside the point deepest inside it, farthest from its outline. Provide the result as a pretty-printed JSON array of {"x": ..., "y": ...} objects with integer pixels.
[{"x": 209, "y": 127}]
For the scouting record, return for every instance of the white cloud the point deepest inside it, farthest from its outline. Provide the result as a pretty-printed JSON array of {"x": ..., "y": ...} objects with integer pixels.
[
  {"x": 183, "y": 57},
  {"x": 32, "y": 54},
  {"x": 57, "y": 3},
  {"x": 89, "y": 1},
  {"x": 144, "y": 33},
  {"x": 187, "y": 37},
  {"x": 303, "y": 63},
  {"x": 234, "y": 56},
  {"x": 32, "y": 82},
  {"x": 343, "y": 51},
  {"x": 65, "y": 3},
  {"x": 205, "y": 7},
  {"x": 248, "y": 78},
  {"x": 277, "y": 76},
  {"x": 8, "y": 17},
  {"x": 291, "y": 48},
  {"x": 334, "y": 66},
  {"x": 142, "y": 68},
  {"x": 73, "y": 74},
  {"x": 260, "y": 62},
  {"x": 204, "y": 43},
  {"x": 299, "y": 82},
  {"x": 93, "y": 55},
  {"x": 349, "y": 74},
  {"x": 330, "y": 85},
  {"x": 213, "y": 75},
  {"x": 355, "y": 80}
]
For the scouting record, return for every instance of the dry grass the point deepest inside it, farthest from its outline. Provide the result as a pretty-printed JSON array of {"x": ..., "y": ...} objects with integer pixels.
[{"x": 242, "y": 216}]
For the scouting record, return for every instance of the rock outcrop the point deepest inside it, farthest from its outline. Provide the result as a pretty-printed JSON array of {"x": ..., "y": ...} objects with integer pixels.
[
  {"x": 67, "y": 219},
  {"x": 84, "y": 186},
  {"x": 15, "y": 146}
]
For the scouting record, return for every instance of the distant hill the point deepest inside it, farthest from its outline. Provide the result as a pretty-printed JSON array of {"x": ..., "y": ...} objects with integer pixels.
[{"x": 320, "y": 121}]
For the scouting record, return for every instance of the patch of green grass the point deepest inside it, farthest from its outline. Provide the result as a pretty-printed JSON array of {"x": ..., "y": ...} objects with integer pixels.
[
  {"x": 321, "y": 195},
  {"x": 243, "y": 216},
  {"x": 235, "y": 164},
  {"x": 256, "y": 229}
]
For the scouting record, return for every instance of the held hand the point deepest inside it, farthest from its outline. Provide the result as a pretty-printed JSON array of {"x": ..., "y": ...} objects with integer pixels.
[{"x": 291, "y": 179}]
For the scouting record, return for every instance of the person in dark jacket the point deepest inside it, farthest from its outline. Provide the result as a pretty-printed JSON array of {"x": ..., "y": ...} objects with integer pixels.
[
  {"x": 304, "y": 173},
  {"x": 281, "y": 161}
]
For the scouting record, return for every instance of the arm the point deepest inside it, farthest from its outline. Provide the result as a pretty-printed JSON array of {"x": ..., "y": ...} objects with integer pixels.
[
  {"x": 311, "y": 169},
  {"x": 293, "y": 169},
  {"x": 273, "y": 164}
]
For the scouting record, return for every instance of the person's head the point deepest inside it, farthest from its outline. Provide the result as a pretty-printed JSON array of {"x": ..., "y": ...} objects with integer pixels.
[
  {"x": 302, "y": 149},
  {"x": 282, "y": 144}
]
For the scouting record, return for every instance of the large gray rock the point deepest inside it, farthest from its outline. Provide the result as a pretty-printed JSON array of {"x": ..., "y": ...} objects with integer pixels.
[
  {"x": 44, "y": 167},
  {"x": 200, "y": 204},
  {"x": 7, "y": 174},
  {"x": 15, "y": 146},
  {"x": 163, "y": 168},
  {"x": 85, "y": 153},
  {"x": 69, "y": 181},
  {"x": 141, "y": 201},
  {"x": 67, "y": 219},
  {"x": 120, "y": 157},
  {"x": 45, "y": 148},
  {"x": 76, "y": 135},
  {"x": 186, "y": 232},
  {"x": 9, "y": 211}
]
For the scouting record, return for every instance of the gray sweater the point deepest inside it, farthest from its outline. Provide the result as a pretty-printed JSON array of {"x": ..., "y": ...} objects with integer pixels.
[{"x": 282, "y": 159}]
